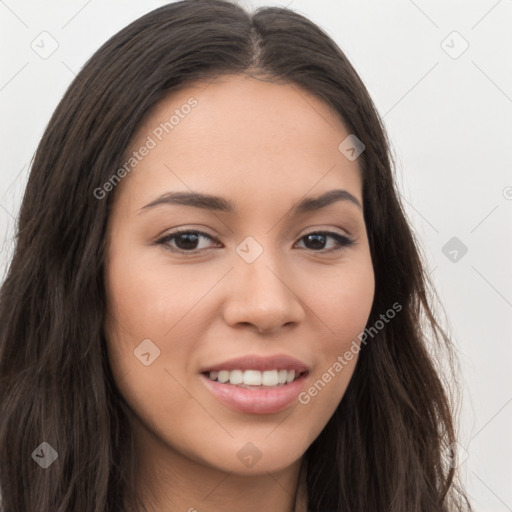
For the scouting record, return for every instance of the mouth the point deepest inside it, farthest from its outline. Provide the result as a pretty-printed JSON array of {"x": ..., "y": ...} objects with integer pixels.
[{"x": 256, "y": 385}]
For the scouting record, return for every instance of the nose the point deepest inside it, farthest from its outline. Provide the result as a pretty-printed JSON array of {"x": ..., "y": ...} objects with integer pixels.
[{"x": 263, "y": 295}]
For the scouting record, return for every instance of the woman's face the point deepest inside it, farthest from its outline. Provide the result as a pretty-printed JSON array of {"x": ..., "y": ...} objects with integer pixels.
[{"x": 253, "y": 292}]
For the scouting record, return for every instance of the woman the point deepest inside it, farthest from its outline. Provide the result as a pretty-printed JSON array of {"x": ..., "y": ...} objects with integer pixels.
[{"x": 216, "y": 301}]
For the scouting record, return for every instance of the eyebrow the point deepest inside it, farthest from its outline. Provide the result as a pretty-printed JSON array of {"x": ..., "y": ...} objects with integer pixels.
[{"x": 215, "y": 203}]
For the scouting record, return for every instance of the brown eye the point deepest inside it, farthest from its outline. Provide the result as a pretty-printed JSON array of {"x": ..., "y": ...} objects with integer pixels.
[
  {"x": 185, "y": 241},
  {"x": 318, "y": 239}
]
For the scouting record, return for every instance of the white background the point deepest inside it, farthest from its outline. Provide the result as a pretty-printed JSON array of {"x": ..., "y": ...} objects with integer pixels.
[{"x": 450, "y": 123}]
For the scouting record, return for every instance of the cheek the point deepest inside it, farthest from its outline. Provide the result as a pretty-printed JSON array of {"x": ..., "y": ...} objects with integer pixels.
[
  {"x": 342, "y": 297},
  {"x": 343, "y": 303},
  {"x": 150, "y": 299},
  {"x": 150, "y": 296}
]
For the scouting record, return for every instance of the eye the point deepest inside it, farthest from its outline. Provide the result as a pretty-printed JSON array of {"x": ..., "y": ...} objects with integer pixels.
[
  {"x": 185, "y": 241},
  {"x": 319, "y": 238}
]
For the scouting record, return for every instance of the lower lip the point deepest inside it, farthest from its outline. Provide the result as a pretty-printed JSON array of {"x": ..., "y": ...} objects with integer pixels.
[{"x": 254, "y": 400}]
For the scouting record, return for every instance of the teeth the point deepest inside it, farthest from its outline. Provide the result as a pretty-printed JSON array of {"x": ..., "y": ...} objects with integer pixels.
[
  {"x": 236, "y": 377},
  {"x": 223, "y": 376},
  {"x": 250, "y": 378},
  {"x": 268, "y": 378}
]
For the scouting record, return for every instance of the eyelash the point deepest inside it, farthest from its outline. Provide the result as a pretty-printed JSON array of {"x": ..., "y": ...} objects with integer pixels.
[{"x": 342, "y": 240}]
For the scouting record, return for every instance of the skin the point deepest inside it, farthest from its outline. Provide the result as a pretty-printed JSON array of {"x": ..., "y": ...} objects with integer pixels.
[{"x": 263, "y": 146}]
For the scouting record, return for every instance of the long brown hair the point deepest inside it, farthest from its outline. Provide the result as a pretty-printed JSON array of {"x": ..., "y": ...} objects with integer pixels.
[{"x": 383, "y": 449}]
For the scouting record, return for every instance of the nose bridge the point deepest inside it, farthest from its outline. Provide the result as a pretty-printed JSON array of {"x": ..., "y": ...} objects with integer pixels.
[
  {"x": 261, "y": 294},
  {"x": 264, "y": 277}
]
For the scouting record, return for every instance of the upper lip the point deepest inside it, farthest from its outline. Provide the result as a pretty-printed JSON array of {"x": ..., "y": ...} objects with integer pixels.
[{"x": 254, "y": 362}]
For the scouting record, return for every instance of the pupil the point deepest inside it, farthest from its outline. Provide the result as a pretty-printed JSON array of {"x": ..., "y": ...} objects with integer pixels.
[
  {"x": 191, "y": 239},
  {"x": 315, "y": 237}
]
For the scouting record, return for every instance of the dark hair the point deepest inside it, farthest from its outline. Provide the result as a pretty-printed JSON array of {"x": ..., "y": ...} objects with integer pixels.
[{"x": 384, "y": 447}]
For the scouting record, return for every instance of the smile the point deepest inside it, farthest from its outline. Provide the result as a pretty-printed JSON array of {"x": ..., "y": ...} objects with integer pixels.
[
  {"x": 255, "y": 384},
  {"x": 255, "y": 378}
]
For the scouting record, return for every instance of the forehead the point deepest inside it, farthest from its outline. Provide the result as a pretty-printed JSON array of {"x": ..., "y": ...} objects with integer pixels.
[{"x": 240, "y": 135}]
